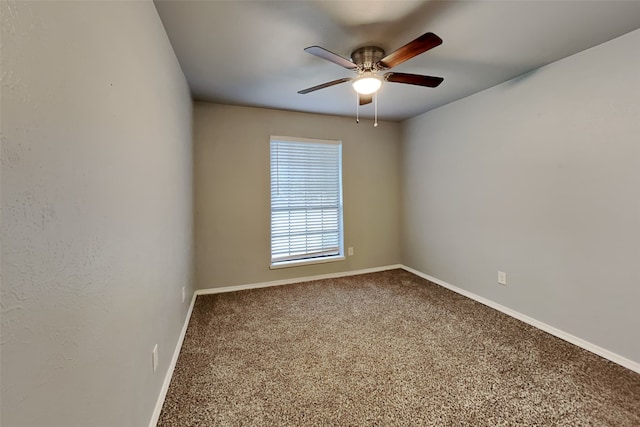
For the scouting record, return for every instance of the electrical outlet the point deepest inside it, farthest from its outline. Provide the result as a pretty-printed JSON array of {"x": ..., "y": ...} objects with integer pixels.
[
  {"x": 155, "y": 358},
  {"x": 184, "y": 293},
  {"x": 502, "y": 278},
  {"x": 350, "y": 251}
]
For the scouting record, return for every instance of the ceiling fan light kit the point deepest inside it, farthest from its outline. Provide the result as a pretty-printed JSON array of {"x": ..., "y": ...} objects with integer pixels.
[
  {"x": 369, "y": 60},
  {"x": 367, "y": 83}
]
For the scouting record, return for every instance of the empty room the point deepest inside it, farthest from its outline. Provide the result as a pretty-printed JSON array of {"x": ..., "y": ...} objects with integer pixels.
[{"x": 310, "y": 213}]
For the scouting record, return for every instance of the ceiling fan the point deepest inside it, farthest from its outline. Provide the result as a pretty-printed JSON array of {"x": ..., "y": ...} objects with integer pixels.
[{"x": 368, "y": 61}]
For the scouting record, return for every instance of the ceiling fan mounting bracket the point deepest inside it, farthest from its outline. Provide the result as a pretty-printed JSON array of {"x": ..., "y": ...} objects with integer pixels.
[{"x": 367, "y": 57}]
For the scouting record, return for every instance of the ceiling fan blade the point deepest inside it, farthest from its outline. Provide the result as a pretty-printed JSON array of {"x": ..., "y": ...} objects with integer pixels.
[
  {"x": 413, "y": 79},
  {"x": 330, "y": 56},
  {"x": 365, "y": 99},
  {"x": 323, "y": 85},
  {"x": 416, "y": 47}
]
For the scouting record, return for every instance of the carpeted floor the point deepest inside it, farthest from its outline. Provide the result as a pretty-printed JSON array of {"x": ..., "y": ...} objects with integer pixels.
[{"x": 383, "y": 349}]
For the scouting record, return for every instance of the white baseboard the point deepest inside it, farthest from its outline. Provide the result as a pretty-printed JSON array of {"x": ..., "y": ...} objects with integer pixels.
[
  {"x": 295, "y": 280},
  {"x": 167, "y": 378},
  {"x": 602, "y": 352}
]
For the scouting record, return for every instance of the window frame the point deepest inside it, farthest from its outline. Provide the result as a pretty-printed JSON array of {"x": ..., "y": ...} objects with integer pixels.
[{"x": 308, "y": 260}]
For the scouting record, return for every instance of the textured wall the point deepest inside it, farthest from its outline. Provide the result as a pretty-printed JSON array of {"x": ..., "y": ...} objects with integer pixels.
[
  {"x": 232, "y": 193},
  {"x": 538, "y": 177},
  {"x": 96, "y": 211}
]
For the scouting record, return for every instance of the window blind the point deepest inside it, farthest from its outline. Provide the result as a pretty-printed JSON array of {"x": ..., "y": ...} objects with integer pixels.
[{"x": 306, "y": 199}]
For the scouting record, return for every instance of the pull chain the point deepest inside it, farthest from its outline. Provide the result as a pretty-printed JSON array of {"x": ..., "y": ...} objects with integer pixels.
[{"x": 375, "y": 106}]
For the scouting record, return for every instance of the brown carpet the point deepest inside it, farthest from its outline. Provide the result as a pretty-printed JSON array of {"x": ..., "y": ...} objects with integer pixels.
[{"x": 384, "y": 349}]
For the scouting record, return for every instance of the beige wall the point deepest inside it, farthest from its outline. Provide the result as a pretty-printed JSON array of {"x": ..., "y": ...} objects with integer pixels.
[
  {"x": 96, "y": 212},
  {"x": 538, "y": 177},
  {"x": 232, "y": 191}
]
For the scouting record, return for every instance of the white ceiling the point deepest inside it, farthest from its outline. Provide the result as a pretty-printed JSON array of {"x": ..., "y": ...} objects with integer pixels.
[{"x": 251, "y": 52}]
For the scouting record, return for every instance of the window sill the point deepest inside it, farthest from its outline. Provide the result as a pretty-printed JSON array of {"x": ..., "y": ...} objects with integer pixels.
[{"x": 309, "y": 261}]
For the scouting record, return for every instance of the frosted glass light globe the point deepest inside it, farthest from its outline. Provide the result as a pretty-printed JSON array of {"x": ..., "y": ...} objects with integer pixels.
[{"x": 366, "y": 84}]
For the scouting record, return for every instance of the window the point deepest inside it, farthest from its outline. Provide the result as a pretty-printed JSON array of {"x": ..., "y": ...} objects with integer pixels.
[{"x": 306, "y": 201}]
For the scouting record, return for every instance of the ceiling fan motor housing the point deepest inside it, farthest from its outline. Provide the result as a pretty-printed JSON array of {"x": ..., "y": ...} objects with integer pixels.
[{"x": 367, "y": 57}]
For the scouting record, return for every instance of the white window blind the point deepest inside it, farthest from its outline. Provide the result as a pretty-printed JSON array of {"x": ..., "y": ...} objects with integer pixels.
[{"x": 306, "y": 199}]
